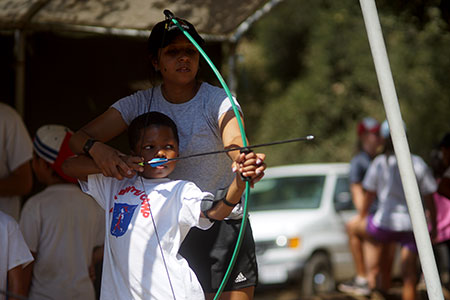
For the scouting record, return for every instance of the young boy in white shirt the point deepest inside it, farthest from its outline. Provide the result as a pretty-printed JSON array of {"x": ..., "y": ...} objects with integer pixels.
[{"x": 149, "y": 215}]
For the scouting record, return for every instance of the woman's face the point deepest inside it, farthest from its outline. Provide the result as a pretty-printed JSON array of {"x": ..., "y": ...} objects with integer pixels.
[
  {"x": 178, "y": 62},
  {"x": 157, "y": 142}
]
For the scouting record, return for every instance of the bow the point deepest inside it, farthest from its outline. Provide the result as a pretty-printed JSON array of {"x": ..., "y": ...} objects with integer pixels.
[{"x": 170, "y": 16}]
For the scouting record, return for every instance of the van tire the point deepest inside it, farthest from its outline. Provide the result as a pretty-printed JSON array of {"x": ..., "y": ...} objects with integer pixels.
[{"x": 317, "y": 276}]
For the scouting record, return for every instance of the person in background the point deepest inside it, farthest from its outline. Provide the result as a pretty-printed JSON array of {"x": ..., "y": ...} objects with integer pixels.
[
  {"x": 391, "y": 222},
  {"x": 369, "y": 142},
  {"x": 61, "y": 225},
  {"x": 206, "y": 122},
  {"x": 444, "y": 184},
  {"x": 16, "y": 178},
  {"x": 14, "y": 256}
]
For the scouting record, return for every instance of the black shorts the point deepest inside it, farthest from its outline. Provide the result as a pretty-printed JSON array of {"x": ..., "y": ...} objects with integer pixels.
[{"x": 209, "y": 253}]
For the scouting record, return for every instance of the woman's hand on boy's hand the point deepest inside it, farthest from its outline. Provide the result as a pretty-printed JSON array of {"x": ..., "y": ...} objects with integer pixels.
[
  {"x": 109, "y": 161},
  {"x": 250, "y": 165}
]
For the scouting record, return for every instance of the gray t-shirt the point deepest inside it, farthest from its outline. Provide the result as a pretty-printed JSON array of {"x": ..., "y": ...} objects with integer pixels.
[{"x": 198, "y": 128}]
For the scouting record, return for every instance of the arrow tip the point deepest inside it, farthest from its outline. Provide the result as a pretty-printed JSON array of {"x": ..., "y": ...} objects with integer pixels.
[{"x": 310, "y": 137}]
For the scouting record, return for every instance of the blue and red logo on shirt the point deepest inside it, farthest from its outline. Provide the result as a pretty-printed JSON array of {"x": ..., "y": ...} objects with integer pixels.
[{"x": 122, "y": 215}]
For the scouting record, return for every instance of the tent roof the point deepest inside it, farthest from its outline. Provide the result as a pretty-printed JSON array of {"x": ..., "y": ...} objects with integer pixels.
[{"x": 218, "y": 20}]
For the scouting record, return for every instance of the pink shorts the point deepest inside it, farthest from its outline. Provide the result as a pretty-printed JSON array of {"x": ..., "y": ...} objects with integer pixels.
[{"x": 405, "y": 238}]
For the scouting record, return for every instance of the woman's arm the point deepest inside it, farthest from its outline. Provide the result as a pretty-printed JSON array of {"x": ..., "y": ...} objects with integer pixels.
[
  {"x": 246, "y": 165},
  {"x": 103, "y": 128},
  {"x": 231, "y": 137},
  {"x": 80, "y": 167}
]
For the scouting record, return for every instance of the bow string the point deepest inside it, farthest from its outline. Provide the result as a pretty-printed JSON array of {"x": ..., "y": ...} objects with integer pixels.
[{"x": 171, "y": 17}]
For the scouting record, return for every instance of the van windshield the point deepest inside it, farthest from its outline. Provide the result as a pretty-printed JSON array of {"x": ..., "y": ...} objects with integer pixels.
[{"x": 302, "y": 192}]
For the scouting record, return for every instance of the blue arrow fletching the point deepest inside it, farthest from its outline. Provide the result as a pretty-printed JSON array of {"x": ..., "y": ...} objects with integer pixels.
[{"x": 155, "y": 162}]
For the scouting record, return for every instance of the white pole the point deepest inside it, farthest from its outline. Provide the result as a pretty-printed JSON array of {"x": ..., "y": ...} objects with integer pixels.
[{"x": 401, "y": 148}]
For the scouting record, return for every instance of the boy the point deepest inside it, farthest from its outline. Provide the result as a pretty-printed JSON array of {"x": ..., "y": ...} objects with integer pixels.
[
  {"x": 14, "y": 256},
  {"x": 61, "y": 224},
  {"x": 149, "y": 215}
]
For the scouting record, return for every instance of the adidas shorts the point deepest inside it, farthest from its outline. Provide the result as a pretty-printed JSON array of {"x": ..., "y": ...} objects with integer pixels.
[{"x": 209, "y": 253}]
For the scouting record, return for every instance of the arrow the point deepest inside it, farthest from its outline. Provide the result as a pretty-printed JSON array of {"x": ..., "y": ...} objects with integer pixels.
[{"x": 157, "y": 161}]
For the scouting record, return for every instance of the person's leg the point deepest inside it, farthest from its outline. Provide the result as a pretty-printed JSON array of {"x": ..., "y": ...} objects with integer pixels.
[
  {"x": 242, "y": 294},
  {"x": 357, "y": 239},
  {"x": 409, "y": 274},
  {"x": 356, "y": 245},
  {"x": 388, "y": 255}
]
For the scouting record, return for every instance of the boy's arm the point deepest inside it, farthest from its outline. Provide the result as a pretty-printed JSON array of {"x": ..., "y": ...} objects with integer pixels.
[
  {"x": 28, "y": 274},
  {"x": 16, "y": 284},
  {"x": 80, "y": 167},
  {"x": 245, "y": 164},
  {"x": 19, "y": 182}
]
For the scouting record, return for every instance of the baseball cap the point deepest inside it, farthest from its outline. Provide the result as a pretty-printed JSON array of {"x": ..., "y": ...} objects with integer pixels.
[
  {"x": 164, "y": 32},
  {"x": 51, "y": 143},
  {"x": 368, "y": 124},
  {"x": 384, "y": 129}
]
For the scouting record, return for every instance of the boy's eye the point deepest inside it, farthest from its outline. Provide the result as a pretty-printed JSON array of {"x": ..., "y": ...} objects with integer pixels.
[
  {"x": 170, "y": 146},
  {"x": 148, "y": 147}
]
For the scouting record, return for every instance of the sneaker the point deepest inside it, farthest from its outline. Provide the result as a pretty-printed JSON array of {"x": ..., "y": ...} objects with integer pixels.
[{"x": 355, "y": 287}]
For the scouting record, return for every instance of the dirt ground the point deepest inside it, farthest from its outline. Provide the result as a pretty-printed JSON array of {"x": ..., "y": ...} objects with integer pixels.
[{"x": 289, "y": 293}]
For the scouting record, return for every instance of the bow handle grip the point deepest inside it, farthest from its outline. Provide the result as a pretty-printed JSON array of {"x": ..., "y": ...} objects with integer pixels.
[{"x": 246, "y": 150}]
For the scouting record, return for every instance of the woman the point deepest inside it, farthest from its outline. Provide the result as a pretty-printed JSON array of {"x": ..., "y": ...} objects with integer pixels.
[{"x": 206, "y": 122}]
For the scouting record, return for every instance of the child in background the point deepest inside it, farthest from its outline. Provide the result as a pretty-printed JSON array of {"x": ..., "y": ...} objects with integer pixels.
[
  {"x": 16, "y": 178},
  {"x": 368, "y": 143},
  {"x": 14, "y": 256},
  {"x": 149, "y": 215},
  {"x": 61, "y": 224},
  {"x": 391, "y": 221}
]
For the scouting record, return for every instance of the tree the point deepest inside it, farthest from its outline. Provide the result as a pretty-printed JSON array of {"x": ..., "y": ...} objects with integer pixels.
[{"x": 307, "y": 68}]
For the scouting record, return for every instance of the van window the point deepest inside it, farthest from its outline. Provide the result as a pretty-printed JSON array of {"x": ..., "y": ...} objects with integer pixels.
[
  {"x": 303, "y": 192},
  {"x": 342, "y": 196}
]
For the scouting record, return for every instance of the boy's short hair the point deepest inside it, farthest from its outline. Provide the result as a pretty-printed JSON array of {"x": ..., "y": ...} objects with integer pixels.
[
  {"x": 152, "y": 118},
  {"x": 51, "y": 143}
]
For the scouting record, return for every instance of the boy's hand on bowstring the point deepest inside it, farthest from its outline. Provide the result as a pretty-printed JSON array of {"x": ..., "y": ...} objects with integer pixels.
[
  {"x": 110, "y": 163},
  {"x": 250, "y": 166}
]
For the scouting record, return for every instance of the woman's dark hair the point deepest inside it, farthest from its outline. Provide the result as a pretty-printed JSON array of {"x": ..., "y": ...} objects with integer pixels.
[
  {"x": 162, "y": 34},
  {"x": 149, "y": 119}
]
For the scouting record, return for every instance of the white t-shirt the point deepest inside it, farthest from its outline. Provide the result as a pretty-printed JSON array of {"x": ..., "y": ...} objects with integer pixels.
[
  {"x": 13, "y": 249},
  {"x": 383, "y": 177},
  {"x": 62, "y": 225},
  {"x": 198, "y": 128},
  {"x": 15, "y": 149},
  {"x": 133, "y": 267}
]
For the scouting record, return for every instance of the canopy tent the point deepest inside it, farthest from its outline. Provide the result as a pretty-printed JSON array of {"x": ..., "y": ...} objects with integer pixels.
[
  {"x": 212, "y": 19},
  {"x": 217, "y": 20}
]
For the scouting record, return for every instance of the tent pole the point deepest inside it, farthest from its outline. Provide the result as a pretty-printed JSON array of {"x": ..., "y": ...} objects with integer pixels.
[
  {"x": 19, "y": 54},
  {"x": 401, "y": 148}
]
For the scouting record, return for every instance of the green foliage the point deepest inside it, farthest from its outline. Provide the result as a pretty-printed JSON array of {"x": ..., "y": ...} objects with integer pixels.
[{"x": 307, "y": 68}]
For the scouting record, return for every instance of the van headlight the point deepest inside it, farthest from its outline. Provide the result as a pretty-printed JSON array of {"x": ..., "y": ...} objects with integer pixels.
[{"x": 283, "y": 241}]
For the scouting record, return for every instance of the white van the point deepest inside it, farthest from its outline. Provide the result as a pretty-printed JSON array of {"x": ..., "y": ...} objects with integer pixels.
[{"x": 298, "y": 215}]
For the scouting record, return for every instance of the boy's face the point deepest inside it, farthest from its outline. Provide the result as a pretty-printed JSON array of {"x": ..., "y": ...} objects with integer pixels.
[{"x": 157, "y": 142}]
